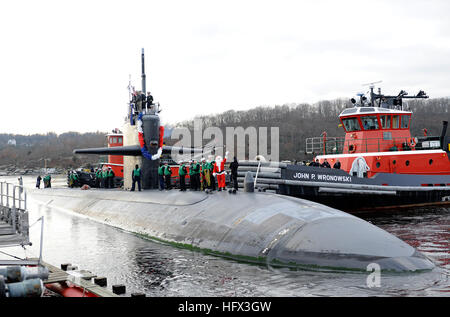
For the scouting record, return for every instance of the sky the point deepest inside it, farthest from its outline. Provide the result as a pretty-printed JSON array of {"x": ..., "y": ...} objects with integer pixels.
[{"x": 65, "y": 65}]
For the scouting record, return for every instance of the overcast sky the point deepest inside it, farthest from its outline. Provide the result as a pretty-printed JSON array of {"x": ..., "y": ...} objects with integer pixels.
[{"x": 65, "y": 65}]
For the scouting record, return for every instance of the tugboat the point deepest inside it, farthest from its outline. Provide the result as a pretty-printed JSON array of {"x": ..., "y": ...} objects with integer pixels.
[
  {"x": 381, "y": 164},
  {"x": 115, "y": 139}
]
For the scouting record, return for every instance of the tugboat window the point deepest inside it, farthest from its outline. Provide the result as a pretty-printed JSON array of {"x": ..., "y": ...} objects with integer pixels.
[
  {"x": 351, "y": 124},
  {"x": 407, "y": 163},
  {"x": 347, "y": 111},
  {"x": 395, "y": 122},
  {"x": 385, "y": 122},
  {"x": 405, "y": 122},
  {"x": 370, "y": 123},
  {"x": 430, "y": 161}
]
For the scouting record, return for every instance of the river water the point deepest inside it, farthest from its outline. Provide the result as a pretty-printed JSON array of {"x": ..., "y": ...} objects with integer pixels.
[{"x": 157, "y": 269}]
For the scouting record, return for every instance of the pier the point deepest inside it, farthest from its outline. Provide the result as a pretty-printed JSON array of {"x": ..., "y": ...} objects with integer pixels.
[
  {"x": 14, "y": 225},
  {"x": 30, "y": 276}
]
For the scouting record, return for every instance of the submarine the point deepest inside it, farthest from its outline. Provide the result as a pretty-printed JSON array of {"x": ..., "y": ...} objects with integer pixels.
[{"x": 250, "y": 226}]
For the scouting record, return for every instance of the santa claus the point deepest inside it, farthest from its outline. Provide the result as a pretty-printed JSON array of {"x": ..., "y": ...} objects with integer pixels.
[{"x": 219, "y": 171}]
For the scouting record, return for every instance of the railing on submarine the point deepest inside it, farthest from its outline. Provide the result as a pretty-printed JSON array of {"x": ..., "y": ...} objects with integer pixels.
[{"x": 134, "y": 113}]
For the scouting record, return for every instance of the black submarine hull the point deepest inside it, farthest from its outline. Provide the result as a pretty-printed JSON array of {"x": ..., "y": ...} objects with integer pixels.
[{"x": 261, "y": 228}]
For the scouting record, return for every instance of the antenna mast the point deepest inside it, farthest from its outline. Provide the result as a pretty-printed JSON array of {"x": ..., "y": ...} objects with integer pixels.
[
  {"x": 372, "y": 96},
  {"x": 143, "y": 74}
]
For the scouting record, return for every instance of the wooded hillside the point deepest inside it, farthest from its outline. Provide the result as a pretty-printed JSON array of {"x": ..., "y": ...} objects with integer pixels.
[{"x": 31, "y": 150}]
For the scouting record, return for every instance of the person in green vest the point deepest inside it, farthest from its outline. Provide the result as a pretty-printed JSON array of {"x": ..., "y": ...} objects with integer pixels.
[
  {"x": 47, "y": 181},
  {"x": 168, "y": 176},
  {"x": 100, "y": 178},
  {"x": 182, "y": 171},
  {"x": 111, "y": 176},
  {"x": 161, "y": 176},
  {"x": 195, "y": 178},
  {"x": 191, "y": 173},
  {"x": 97, "y": 178},
  {"x": 136, "y": 176},
  {"x": 105, "y": 178},
  {"x": 74, "y": 179}
]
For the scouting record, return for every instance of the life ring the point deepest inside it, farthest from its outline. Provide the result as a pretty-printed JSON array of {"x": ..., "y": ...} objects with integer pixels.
[
  {"x": 412, "y": 142},
  {"x": 352, "y": 148}
]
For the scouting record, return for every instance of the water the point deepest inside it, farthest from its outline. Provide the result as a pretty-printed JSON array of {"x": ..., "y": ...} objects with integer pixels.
[{"x": 162, "y": 270}]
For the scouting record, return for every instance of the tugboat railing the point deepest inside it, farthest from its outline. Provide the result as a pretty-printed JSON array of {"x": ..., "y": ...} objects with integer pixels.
[{"x": 339, "y": 145}]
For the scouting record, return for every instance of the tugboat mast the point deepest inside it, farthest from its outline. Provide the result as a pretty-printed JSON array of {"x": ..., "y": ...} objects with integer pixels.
[{"x": 384, "y": 101}]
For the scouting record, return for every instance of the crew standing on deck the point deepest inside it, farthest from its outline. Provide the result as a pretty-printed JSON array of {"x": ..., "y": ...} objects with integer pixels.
[
  {"x": 234, "y": 169},
  {"x": 182, "y": 171},
  {"x": 97, "y": 178},
  {"x": 168, "y": 176},
  {"x": 47, "y": 181},
  {"x": 38, "y": 182},
  {"x": 211, "y": 173},
  {"x": 139, "y": 101},
  {"x": 105, "y": 178},
  {"x": 73, "y": 181},
  {"x": 315, "y": 163},
  {"x": 136, "y": 176},
  {"x": 337, "y": 165},
  {"x": 325, "y": 164},
  {"x": 111, "y": 176},
  {"x": 20, "y": 179},
  {"x": 143, "y": 100},
  {"x": 161, "y": 176},
  {"x": 149, "y": 100},
  {"x": 194, "y": 174},
  {"x": 206, "y": 172},
  {"x": 191, "y": 175},
  {"x": 202, "y": 174}
]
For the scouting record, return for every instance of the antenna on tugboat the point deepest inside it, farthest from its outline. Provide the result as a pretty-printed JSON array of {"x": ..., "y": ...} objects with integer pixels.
[
  {"x": 372, "y": 85},
  {"x": 372, "y": 96}
]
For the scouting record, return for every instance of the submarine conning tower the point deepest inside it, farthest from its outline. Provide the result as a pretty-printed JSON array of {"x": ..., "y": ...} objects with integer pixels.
[{"x": 142, "y": 140}]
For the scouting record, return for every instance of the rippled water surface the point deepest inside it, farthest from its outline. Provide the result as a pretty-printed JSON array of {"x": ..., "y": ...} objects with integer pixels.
[{"x": 162, "y": 270}]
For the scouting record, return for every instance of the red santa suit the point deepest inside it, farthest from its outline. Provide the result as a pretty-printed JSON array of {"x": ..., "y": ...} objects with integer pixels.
[{"x": 219, "y": 171}]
